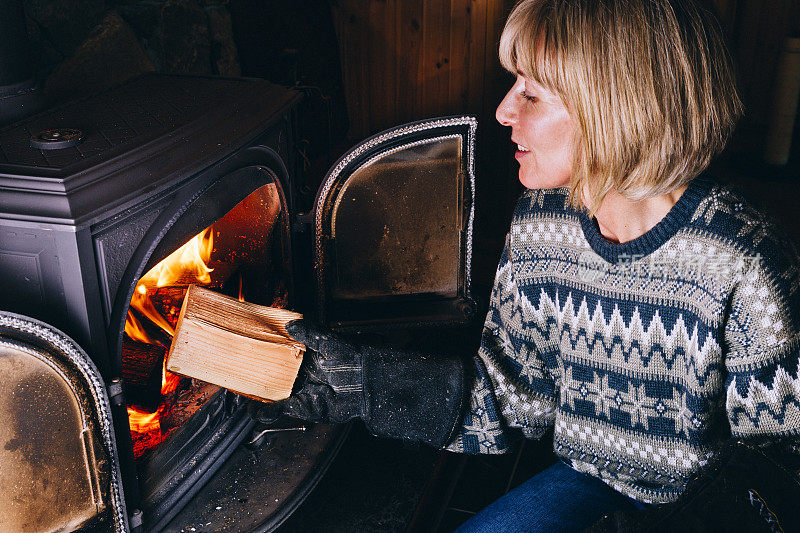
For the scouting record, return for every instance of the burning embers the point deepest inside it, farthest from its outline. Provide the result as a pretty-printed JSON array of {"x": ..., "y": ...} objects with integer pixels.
[
  {"x": 157, "y": 299},
  {"x": 239, "y": 255}
]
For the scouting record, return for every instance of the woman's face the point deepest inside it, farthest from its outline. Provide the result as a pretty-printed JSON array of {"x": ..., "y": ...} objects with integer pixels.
[{"x": 543, "y": 131}]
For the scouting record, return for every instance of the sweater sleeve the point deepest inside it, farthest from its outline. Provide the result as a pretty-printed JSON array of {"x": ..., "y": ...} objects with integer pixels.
[
  {"x": 511, "y": 388},
  {"x": 762, "y": 343}
]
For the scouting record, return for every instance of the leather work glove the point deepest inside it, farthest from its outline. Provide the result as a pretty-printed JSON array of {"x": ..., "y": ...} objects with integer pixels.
[{"x": 397, "y": 394}]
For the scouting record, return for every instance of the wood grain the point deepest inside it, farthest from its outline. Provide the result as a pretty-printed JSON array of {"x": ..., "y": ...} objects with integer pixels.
[
  {"x": 407, "y": 60},
  {"x": 240, "y": 346}
]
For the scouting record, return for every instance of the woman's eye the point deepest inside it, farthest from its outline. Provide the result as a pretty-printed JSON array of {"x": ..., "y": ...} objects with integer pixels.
[{"x": 528, "y": 97}]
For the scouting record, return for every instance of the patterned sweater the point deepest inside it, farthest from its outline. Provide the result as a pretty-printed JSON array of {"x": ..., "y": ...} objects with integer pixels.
[{"x": 642, "y": 356}]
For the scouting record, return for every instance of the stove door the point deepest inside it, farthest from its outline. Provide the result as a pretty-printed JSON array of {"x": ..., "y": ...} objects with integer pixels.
[
  {"x": 393, "y": 227},
  {"x": 58, "y": 460}
]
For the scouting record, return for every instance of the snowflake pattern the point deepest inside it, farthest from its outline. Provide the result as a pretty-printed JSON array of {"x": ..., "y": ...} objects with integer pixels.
[{"x": 635, "y": 371}]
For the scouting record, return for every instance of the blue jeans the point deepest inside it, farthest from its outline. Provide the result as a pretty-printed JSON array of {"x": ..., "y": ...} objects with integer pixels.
[{"x": 557, "y": 499}]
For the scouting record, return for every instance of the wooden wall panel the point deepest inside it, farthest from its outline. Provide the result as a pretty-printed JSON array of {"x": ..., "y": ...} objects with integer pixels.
[
  {"x": 351, "y": 30},
  {"x": 408, "y": 44},
  {"x": 381, "y": 58},
  {"x": 757, "y": 30},
  {"x": 436, "y": 56},
  {"x": 460, "y": 49},
  {"x": 405, "y": 60},
  {"x": 477, "y": 52}
]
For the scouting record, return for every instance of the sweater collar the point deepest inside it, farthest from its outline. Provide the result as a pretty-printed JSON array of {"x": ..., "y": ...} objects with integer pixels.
[{"x": 677, "y": 217}]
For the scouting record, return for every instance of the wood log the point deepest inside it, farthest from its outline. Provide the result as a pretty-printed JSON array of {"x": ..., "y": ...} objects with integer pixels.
[
  {"x": 141, "y": 363},
  {"x": 167, "y": 301},
  {"x": 240, "y": 346},
  {"x": 186, "y": 403}
]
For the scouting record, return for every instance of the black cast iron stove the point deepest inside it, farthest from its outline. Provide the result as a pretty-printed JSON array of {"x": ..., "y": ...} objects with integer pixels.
[
  {"x": 111, "y": 205},
  {"x": 95, "y": 193}
]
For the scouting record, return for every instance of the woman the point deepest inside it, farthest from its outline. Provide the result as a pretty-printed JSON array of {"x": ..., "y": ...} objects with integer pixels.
[{"x": 641, "y": 312}]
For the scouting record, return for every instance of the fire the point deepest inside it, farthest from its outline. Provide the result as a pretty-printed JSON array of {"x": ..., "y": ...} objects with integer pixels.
[
  {"x": 241, "y": 293},
  {"x": 134, "y": 329},
  {"x": 141, "y": 302},
  {"x": 169, "y": 381},
  {"x": 188, "y": 264},
  {"x": 187, "y": 261},
  {"x": 142, "y": 421}
]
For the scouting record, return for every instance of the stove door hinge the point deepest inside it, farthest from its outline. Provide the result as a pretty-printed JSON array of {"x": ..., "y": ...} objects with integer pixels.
[
  {"x": 302, "y": 222},
  {"x": 115, "y": 392},
  {"x": 135, "y": 520}
]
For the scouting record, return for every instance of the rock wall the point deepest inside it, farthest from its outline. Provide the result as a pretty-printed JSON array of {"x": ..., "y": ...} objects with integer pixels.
[{"x": 82, "y": 46}]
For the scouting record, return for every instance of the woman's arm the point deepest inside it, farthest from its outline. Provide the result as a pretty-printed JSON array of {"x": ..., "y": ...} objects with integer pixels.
[
  {"x": 510, "y": 388},
  {"x": 430, "y": 398},
  {"x": 762, "y": 348}
]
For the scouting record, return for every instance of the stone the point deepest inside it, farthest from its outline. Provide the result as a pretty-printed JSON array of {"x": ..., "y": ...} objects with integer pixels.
[
  {"x": 145, "y": 20},
  {"x": 224, "y": 56},
  {"x": 44, "y": 55},
  {"x": 65, "y": 24},
  {"x": 186, "y": 42},
  {"x": 109, "y": 56}
]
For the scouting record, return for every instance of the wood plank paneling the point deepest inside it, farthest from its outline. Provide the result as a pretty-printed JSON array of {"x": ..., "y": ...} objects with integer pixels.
[
  {"x": 382, "y": 57},
  {"x": 405, "y": 60},
  {"x": 436, "y": 55},
  {"x": 477, "y": 53},
  {"x": 352, "y": 24},
  {"x": 408, "y": 41},
  {"x": 460, "y": 51},
  {"x": 496, "y": 80}
]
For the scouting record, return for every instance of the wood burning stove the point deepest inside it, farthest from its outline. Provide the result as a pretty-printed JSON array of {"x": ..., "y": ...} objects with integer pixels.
[{"x": 170, "y": 180}]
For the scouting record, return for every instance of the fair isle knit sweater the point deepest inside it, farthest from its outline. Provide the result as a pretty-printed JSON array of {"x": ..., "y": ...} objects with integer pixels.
[{"x": 642, "y": 356}]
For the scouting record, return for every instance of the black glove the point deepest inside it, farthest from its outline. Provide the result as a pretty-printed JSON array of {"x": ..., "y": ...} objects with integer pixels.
[{"x": 397, "y": 394}]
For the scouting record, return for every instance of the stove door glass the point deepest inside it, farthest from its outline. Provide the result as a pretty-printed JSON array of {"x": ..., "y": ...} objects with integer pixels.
[
  {"x": 58, "y": 464},
  {"x": 394, "y": 222}
]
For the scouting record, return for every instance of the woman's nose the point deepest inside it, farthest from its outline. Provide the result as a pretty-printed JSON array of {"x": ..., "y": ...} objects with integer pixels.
[{"x": 506, "y": 113}]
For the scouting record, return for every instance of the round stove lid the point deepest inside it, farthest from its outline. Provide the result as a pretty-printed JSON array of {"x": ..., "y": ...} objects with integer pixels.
[{"x": 56, "y": 138}]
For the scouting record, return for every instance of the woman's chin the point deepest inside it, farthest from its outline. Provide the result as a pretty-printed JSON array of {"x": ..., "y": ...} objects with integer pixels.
[{"x": 541, "y": 182}]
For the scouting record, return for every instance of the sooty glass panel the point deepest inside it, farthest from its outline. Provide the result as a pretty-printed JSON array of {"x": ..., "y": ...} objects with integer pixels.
[
  {"x": 48, "y": 461},
  {"x": 396, "y": 223}
]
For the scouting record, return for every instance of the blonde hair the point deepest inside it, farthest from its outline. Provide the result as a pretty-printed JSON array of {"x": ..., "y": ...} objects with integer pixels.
[{"x": 649, "y": 84}]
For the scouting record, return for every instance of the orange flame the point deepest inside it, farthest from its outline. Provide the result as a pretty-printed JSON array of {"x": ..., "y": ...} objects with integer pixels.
[
  {"x": 241, "y": 293},
  {"x": 134, "y": 329},
  {"x": 169, "y": 381},
  {"x": 143, "y": 422},
  {"x": 187, "y": 261},
  {"x": 187, "y": 264},
  {"x": 142, "y": 303}
]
